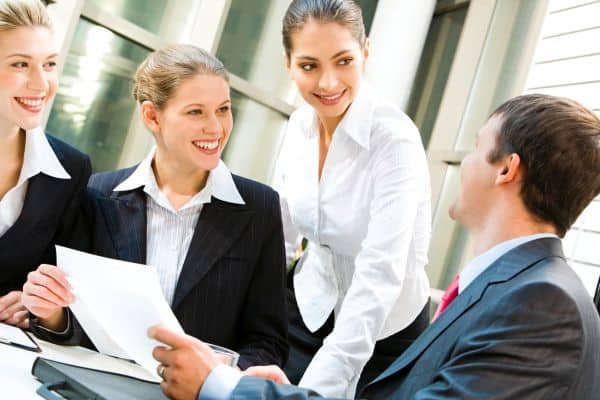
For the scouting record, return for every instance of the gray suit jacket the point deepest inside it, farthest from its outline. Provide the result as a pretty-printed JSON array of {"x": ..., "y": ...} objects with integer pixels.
[{"x": 524, "y": 329}]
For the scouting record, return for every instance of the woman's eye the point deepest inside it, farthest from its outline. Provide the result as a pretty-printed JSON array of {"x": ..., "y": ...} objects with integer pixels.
[
  {"x": 345, "y": 61},
  {"x": 20, "y": 64},
  {"x": 223, "y": 109},
  {"x": 195, "y": 112},
  {"x": 307, "y": 67}
]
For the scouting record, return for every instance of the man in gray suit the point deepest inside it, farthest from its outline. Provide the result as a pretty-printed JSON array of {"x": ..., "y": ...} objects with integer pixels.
[{"x": 522, "y": 326}]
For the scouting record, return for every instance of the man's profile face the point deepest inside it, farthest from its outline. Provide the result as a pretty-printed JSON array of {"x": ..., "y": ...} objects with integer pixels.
[{"x": 477, "y": 178}]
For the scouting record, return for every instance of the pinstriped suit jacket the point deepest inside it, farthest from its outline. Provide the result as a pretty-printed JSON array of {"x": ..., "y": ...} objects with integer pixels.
[{"x": 231, "y": 288}]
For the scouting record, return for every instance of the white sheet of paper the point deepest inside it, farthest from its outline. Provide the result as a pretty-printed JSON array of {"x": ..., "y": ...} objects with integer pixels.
[
  {"x": 12, "y": 335},
  {"x": 116, "y": 302}
]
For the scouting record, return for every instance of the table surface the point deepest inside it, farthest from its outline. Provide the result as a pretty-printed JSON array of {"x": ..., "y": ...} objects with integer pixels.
[{"x": 16, "y": 379}]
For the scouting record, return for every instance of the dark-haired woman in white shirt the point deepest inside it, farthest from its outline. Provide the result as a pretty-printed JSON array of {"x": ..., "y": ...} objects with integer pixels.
[{"x": 353, "y": 180}]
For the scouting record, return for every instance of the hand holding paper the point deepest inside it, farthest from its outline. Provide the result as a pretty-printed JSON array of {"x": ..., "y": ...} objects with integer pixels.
[{"x": 116, "y": 302}]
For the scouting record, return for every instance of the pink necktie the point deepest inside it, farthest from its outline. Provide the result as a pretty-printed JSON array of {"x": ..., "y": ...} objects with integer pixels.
[{"x": 449, "y": 295}]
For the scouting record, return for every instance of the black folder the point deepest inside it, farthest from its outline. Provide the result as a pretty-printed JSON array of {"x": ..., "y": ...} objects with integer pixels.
[{"x": 74, "y": 382}]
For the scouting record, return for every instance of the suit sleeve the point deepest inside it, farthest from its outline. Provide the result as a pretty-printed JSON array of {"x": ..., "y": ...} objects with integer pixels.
[
  {"x": 264, "y": 320},
  {"x": 528, "y": 345},
  {"x": 257, "y": 388}
]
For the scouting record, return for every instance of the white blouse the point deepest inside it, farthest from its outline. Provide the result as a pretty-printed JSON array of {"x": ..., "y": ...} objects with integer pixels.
[{"x": 368, "y": 223}]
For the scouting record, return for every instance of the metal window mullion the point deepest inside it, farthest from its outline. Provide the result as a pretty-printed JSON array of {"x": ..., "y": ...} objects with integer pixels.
[
  {"x": 260, "y": 96},
  {"x": 122, "y": 27}
]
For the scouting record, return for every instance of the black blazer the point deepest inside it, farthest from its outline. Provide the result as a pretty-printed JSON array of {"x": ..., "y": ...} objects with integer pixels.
[
  {"x": 48, "y": 217},
  {"x": 526, "y": 328},
  {"x": 231, "y": 288}
]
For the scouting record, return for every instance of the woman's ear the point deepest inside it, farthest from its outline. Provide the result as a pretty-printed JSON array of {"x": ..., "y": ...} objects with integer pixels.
[
  {"x": 150, "y": 116},
  {"x": 367, "y": 48}
]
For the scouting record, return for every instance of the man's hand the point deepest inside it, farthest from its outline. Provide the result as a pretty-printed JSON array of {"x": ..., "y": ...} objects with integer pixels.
[
  {"x": 45, "y": 294},
  {"x": 12, "y": 310},
  {"x": 185, "y": 363},
  {"x": 272, "y": 372}
]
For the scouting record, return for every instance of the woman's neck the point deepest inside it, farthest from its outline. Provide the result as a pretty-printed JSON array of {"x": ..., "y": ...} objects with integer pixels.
[{"x": 179, "y": 184}]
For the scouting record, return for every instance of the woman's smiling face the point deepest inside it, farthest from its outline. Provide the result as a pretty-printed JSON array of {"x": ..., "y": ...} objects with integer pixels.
[{"x": 327, "y": 62}]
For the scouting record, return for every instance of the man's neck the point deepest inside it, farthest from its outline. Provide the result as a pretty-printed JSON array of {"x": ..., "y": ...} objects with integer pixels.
[{"x": 492, "y": 234}]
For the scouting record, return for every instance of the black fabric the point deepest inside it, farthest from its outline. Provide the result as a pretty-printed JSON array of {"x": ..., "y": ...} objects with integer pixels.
[
  {"x": 49, "y": 215},
  {"x": 79, "y": 383},
  {"x": 304, "y": 344}
]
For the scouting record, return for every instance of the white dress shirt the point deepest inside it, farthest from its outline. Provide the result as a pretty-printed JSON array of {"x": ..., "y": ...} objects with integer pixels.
[
  {"x": 480, "y": 263},
  {"x": 39, "y": 158},
  {"x": 169, "y": 232},
  {"x": 367, "y": 221}
]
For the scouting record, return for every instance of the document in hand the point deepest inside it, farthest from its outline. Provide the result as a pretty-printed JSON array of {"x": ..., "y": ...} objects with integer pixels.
[{"x": 115, "y": 303}]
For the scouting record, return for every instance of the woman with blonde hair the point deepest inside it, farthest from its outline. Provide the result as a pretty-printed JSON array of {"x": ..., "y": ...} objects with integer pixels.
[
  {"x": 42, "y": 179},
  {"x": 215, "y": 238}
]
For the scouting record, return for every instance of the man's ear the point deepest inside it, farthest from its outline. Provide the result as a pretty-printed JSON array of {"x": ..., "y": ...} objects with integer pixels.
[
  {"x": 150, "y": 116},
  {"x": 509, "y": 169}
]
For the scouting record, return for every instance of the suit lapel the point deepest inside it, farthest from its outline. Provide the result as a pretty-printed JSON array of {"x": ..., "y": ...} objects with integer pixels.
[
  {"x": 125, "y": 217},
  {"x": 219, "y": 226},
  {"x": 502, "y": 270},
  {"x": 40, "y": 200}
]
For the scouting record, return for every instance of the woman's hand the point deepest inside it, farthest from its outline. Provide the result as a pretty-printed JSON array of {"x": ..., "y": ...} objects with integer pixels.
[
  {"x": 12, "y": 310},
  {"x": 45, "y": 294}
]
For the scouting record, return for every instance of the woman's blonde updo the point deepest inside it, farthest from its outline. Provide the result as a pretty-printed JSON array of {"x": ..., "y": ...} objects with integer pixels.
[
  {"x": 161, "y": 73},
  {"x": 18, "y": 13}
]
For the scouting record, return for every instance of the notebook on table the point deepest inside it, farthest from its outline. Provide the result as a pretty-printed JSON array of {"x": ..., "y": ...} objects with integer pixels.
[{"x": 75, "y": 382}]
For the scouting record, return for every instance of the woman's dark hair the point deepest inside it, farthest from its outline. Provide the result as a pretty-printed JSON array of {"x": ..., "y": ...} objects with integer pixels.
[{"x": 344, "y": 12}]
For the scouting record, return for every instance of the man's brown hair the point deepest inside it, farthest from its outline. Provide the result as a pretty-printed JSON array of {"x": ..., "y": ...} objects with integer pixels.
[{"x": 558, "y": 141}]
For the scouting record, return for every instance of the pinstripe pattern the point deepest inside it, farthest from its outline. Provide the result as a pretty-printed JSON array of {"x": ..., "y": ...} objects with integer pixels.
[{"x": 231, "y": 287}]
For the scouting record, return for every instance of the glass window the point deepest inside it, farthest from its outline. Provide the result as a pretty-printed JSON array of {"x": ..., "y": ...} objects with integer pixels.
[
  {"x": 93, "y": 108},
  {"x": 171, "y": 19},
  {"x": 250, "y": 45},
  {"x": 255, "y": 140},
  {"x": 447, "y": 234},
  {"x": 434, "y": 68}
]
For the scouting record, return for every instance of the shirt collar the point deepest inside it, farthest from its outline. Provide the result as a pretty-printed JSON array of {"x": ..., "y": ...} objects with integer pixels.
[
  {"x": 219, "y": 184},
  {"x": 39, "y": 157},
  {"x": 484, "y": 260},
  {"x": 356, "y": 123}
]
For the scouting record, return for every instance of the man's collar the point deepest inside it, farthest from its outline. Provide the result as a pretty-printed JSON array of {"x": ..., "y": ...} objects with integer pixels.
[
  {"x": 39, "y": 157},
  {"x": 480, "y": 263}
]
